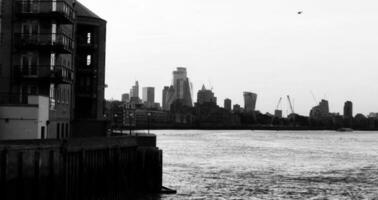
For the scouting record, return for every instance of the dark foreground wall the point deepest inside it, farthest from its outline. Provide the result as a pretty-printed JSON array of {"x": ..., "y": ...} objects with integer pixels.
[{"x": 97, "y": 168}]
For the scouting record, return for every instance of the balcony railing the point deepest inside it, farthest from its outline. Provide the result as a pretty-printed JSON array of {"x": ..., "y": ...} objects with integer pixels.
[
  {"x": 59, "y": 10},
  {"x": 55, "y": 74},
  {"x": 12, "y": 98},
  {"x": 57, "y": 42}
]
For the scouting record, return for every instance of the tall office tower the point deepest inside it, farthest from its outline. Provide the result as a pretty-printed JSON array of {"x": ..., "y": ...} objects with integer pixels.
[
  {"x": 182, "y": 86},
  {"x": 168, "y": 97},
  {"x": 134, "y": 91},
  {"x": 205, "y": 96},
  {"x": 348, "y": 109},
  {"x": 148, "y": 95},
  {"x": 227, "y": 104},
  {"x": 125, "y": 98},
  {"x": 250, "y": 101},
  {"x": 164, "y": 98},
  {"x": 90, "y": 62},
  {"x": 38, "y": 74}
]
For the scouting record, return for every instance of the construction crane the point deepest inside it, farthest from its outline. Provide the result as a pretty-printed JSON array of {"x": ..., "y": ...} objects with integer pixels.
[
  {"x": 279, "y": 102},
  {"x": 277, "y": 112},
  {"x": 313, "y": 96},
  {"x": 291, "y": 105}
]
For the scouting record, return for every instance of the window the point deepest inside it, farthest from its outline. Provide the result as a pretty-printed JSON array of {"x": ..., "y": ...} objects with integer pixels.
[
  {"x": 29, "y": 64},
  {"x": 67, "y": 131},
  {"x": 89, "y": 60},
  {"x": 62, "y": 132},
  {"x": 57, "y": 131},
  {"x": 52, "y": 97},
  {"x": 52, "y": 61},
  {"x": 89, "y": 38}
]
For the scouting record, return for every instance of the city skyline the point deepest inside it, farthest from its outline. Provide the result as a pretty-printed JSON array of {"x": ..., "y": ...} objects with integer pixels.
[{"x": 264, "y": 47}]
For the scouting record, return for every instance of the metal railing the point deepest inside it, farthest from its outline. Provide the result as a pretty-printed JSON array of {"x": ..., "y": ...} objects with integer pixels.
[
  {"x": 50, "y": 9},
  {"x": 57, "y": 73},
  {"x": 59, "y": 41},
  {"x": 13, "y": 98}
]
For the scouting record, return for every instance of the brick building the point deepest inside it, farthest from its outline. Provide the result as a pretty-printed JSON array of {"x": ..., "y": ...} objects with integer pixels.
[{"x": 39, "y": 68}]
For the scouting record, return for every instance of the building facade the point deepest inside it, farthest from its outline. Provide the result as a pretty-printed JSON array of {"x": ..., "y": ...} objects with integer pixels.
[
  {"x": 90, "y": 64},
  {"x": 134, "y": 91},
  {"x": 148, "y": 95},
  {"x": 125, "y": 98},
  {"x": 182, "y": 86},
  {"x": 205, "y": 96},
  {"x": 227, "y": 104},
  {"x": 348, "y": 109},
  {"x": 250, "y": 101},
  {"x": 38, "y": 73},
  {"x": 320, "y": 111},
  {"x": 168, "y": 97}
]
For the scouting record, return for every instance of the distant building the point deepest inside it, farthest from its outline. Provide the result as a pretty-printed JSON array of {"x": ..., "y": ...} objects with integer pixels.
[
  {"x": 373, "y": 115},
  {"x": 250, "y": 101},
  {"x": 182, "y": 86},
  {"x": 134, "y": 91},
  {"x": 237, "y": 108},
  {"x": 348, "y": 109},
  {"x": 125, "y": 98},
  {"x": 278, "y": 113},
  {"x": 168, "y": 97},
  {"x": 320, "y": 111},
  {"x": 206, "y": 96},
  {"x": 227, "y": 104},
  {"x": 148, "y": 95}
]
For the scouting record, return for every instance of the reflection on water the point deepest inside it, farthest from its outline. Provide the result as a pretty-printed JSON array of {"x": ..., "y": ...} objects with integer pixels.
[{"x": 270, "y": 164}]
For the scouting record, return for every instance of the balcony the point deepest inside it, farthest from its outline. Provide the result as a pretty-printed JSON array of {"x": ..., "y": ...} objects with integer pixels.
[
  {"x": 13, "y": 99},
  {"x": 58, "y": 10},
  {"x": 54, "y": 42},
  {"x": 55, "y": 74}
]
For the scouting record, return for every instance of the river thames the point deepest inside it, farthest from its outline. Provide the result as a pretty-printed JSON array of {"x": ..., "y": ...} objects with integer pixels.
[{"x": 269, "y": 164}]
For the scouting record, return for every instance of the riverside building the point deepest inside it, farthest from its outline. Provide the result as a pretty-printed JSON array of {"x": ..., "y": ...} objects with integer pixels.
[{"x": 42, "y": 68}]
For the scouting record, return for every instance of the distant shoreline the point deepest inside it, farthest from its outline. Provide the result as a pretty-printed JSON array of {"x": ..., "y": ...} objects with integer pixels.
[{"x": 249, "y": 128}]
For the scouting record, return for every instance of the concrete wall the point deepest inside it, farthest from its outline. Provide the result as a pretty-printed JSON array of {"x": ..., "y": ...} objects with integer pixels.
[
  {"x": 19, "y": 122},
  {"x": 113, "y": 168}
]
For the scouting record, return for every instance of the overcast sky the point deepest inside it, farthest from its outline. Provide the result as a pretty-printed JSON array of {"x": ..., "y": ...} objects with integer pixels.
[{"x": 262, "y": 46}]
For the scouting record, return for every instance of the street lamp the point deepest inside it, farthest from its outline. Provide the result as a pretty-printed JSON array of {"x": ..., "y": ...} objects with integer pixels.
[{"x": 148, "y": 121}]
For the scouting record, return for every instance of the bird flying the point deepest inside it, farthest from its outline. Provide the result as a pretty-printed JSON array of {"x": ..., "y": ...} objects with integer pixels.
[{"x": 300, "y": 12}]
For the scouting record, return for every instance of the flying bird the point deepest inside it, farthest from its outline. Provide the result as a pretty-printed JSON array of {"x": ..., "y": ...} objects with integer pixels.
[{"x": 300, "y": 12}]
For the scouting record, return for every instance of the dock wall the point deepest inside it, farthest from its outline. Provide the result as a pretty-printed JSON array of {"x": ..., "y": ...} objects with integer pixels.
[{"x": 92, "y": 168}]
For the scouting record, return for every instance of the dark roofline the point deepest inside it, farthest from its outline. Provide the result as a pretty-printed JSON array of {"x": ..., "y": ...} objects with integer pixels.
[{"x": 82, "y": 11}]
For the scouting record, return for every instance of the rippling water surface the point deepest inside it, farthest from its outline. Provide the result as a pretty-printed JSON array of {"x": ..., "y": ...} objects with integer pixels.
[{"x": 270, "y": 164}]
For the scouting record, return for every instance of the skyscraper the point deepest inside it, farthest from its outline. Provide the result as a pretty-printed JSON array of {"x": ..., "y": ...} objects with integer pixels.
[
  {"x": 250, "y": 101},
  {"x": 168, "y": 97},
  {"x": 182, "y": 86},
  {"x": 205, "y": 96},
  {"x": 148, "y": 95},
  {"x": 134, "y": 91},
  {"x": 227, "y": 104},
  {"x": 348, "y": 109}
]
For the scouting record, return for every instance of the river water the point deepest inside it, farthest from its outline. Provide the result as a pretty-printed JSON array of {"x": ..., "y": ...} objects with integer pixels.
[{"x": 270, "y": 164}]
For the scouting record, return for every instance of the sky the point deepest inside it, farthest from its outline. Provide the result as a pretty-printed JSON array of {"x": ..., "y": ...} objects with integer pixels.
[{"x": 331, "y": 50}]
